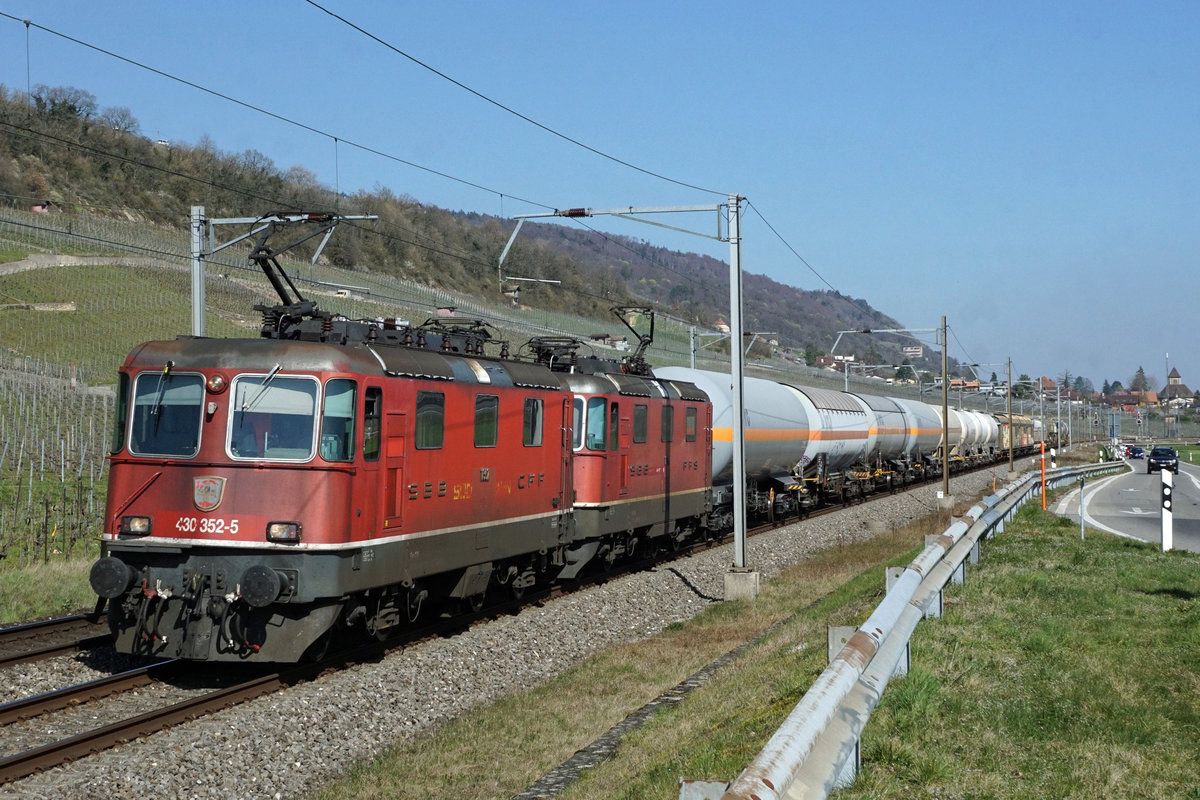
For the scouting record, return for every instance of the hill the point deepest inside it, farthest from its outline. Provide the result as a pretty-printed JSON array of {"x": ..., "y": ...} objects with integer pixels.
[{"x": 58, "y": 145}]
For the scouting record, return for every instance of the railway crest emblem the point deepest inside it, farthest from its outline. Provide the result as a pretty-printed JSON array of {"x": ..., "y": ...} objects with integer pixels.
[{"x": 207, "y": 491}]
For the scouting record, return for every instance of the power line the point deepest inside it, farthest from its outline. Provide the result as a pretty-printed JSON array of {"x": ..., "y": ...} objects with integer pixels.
[
  {"x": 510, "y": 110},
  {"x": 960, "y": 345},
  {"x": 789, "y": 247},
  {"x": 272, "y": 114}
]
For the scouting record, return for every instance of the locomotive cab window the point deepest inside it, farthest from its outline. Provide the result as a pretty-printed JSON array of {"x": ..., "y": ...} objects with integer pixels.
[
  {"x": 487, "y": 419},
  {"x": 614, "y": 427},
  {"x": 274, "y": 418},
  {"x": 431, "y": 420},
  {"x": 337, "y": 420},
  {"x": 589, "y": 428},
  {"x": 531, "y": 435},
  {"x": 167, "y": 410},
  {"x": 122, "y": 415},
  {"x": 372, "y": 422}
]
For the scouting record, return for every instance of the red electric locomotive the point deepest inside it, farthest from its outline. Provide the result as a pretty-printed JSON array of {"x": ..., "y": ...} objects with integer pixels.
[{"x": 339, "y": 474}]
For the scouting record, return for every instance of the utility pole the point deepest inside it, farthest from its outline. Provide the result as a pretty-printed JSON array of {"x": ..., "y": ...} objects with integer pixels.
[
  {"x": 198, "y": 302},
  {"x": 1011, "y": 467},
  {"x": 947, "y": 501}
]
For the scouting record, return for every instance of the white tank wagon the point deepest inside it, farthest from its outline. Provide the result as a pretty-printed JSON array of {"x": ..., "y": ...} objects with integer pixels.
[
  {"x": 981, "y": 435},
  {"x": 805, "y": 446},
  {"x": 924, "y": 429}
]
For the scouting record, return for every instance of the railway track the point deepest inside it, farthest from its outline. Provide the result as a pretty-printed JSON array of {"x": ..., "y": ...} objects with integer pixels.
[{"x": 34, "y": 641}]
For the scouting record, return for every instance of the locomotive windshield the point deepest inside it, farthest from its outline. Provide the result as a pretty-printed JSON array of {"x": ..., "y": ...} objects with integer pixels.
[
  {"x": 167, "y": 409},
  {"x": 273, "y": 417},
  {"x": 588, "y": 428}
]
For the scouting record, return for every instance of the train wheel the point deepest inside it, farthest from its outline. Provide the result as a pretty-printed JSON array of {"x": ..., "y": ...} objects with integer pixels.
[
  {"x": 319, "y": 648},
  {"x": 475, "y": 602}
]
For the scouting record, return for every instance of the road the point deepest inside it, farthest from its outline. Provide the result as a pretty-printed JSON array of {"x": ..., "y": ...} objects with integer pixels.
[{"x": 1129, "y": 504}]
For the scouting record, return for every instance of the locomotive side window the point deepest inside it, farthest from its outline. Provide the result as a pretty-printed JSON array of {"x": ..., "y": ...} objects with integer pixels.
[
  {"x": 668, "y": 424},
  {"x": 431, "y": 420},
  {"x": 577, "y": 423},
  {"x": 337, "y": 421},
  {"x": 372, "y": 416},
  {"x": 273, "y": 417},
  {"x": 690, "y": 424},
  {"x": 614, "y": 419},
  {"x": 487, "y": 419},
  {"x": 167, "y": 409},
  {"x": 532, "y": 428},
  {"x": 122, "y": 416},
  {"x": 640, "y": 422},
  {"x": 595, "y": 431}
]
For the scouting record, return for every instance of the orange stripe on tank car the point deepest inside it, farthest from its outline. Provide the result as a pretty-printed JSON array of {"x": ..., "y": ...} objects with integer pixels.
[
  {"x": 886, "y": 431},
  {"x": 921, "y": 431},
  {"x": 832, "y": 436},
  {"x": 762, "y": 435}
]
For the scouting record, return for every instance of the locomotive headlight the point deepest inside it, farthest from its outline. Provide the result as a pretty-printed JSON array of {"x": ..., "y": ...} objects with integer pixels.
[
  {"x": 134, "y": 526},
  {"x": 216, "y": 383},
  {"x": 285, "y": 532}
]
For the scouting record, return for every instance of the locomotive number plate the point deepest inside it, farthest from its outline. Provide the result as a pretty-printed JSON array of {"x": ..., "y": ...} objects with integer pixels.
[{"x": 216, "y": 525}]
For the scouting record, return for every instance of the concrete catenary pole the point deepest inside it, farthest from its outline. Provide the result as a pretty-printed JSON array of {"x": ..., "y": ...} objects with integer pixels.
[
  {"x": 198, "y": 225},
  {"x": 945, "y": 417},
  {"x": 1011, "y": 443}
]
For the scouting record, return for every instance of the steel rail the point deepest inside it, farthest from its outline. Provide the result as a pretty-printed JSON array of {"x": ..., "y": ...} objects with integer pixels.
[
  {"x": 36, "y": 705},
  {"x": 24, "y": 764},
  {"x": 30, "y": 632}
]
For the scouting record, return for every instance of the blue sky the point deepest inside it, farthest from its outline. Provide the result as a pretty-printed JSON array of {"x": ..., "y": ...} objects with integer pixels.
[{"x": 1028, "y": 169}]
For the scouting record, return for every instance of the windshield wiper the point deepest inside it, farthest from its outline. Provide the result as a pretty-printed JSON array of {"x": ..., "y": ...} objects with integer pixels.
[
  {"x": 158, "y": 396},
  {"x": 262, "y": 388}
]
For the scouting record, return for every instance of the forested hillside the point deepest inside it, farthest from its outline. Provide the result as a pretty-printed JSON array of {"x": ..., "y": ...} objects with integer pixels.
[{"x": 60, "y": 145}]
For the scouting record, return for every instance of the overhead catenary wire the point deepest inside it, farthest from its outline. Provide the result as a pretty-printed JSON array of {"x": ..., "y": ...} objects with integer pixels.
[
  {"x": 272, "y": 114},
  {"x": 510, "y": 110}
]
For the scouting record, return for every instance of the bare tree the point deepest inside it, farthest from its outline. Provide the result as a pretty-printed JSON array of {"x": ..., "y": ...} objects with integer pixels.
[
  {"x": 120, "y": 118},
  {"x": 64, "y": 101}
]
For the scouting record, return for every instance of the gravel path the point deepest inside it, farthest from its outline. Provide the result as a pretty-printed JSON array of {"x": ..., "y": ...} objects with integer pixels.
[{"x": 285, "y": 744}]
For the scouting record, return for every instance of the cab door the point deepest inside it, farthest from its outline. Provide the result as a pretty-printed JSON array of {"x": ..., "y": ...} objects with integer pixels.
[
  {"x": 394, "y": 444},
  {"x": 367, "y": 520}
]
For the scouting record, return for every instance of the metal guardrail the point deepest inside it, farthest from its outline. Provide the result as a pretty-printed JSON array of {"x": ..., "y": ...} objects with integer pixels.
[{"x": 816, "y": 749}]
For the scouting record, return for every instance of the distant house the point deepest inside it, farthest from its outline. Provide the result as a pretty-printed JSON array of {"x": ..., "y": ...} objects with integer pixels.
[
  {"x": 608, "y": 340},
  {"x": 721, "y": 326},
  {"x": 1129, "y": 401},
  {"x": 1176, "y": 394}
]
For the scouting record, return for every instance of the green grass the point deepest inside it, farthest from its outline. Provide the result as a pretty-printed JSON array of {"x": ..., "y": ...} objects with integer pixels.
[
  {"x": 46, "y": 590},
  {"x": 138, "y": 304},
  {"x": 1061, "y": 669},
  {"x": 11, "y": 252}
]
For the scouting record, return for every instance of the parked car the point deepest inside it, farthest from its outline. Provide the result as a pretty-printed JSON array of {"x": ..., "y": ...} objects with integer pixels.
[{"x": 1162, "y": 458}]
